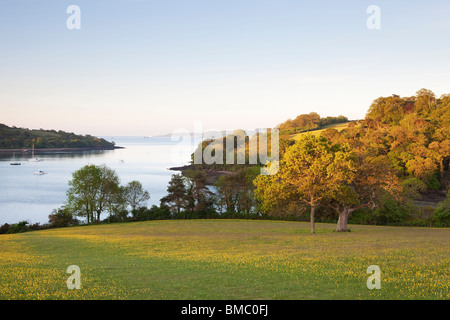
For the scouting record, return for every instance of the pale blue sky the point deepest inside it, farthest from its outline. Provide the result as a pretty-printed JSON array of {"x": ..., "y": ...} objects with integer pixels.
[{"x": 150, "y": 67}]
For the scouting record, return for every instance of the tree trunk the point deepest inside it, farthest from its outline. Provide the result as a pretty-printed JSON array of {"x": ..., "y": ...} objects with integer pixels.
[
  {"x": 343, "y": 219},
  {"x": 313, "y": 209}
]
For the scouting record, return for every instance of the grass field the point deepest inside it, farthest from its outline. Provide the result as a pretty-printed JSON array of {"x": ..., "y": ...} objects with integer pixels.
[
  {"x": 225, "y": 259},
  {"x": 338, "y": 127}
]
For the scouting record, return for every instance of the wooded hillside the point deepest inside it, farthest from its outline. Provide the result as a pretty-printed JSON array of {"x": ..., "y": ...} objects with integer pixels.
[{"x": 18, "y": 138}]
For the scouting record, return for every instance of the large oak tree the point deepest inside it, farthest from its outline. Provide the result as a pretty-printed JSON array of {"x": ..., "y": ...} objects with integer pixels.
[{"x": 311, "y": 171}]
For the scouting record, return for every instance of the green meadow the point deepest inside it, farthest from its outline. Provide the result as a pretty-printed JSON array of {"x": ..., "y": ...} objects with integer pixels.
[{"x": 225, "y": 259}]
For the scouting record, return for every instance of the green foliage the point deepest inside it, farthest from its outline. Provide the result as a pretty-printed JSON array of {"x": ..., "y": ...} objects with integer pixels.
[
  {"x": 96, "y": 189},
  {"x": 200, "y": 200},
  {"x": 154, "y": 213},
  {"x": 361, "y": 216},
  {"x": 62, "y": 217},
  {"x": 18, "y": 227},
  {"x": 433, "y": 183},
  {"x": 413, "y": 187},
  {"x": 442, "y": 212},
  {"x": 311, "y": 171},
  {"x": 118, "y": 215},
  {"x": 176, "y": 199},
  {"x": 135, "y": 195},
  {"x": 391, "y": 211},
  {"x": 235, "y": 192}
]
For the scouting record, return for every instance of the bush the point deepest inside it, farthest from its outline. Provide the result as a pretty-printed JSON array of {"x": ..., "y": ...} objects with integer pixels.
[
  {"x": 154, "y": 213},
  {"x": 442, "y": 212},
  {"x": 120, "y": 216},
  {"x": 391, "y": 211},
  {"x": 361, "y": 216},
  {"x": 433, "y": 183},
  {"x": 4, "y": 228},
  {"x": 413, "y": 187},
  {"x": 37, "y": 226},
  {"x": 61, "y": 217},
  {"x": 18, "y": 227}
]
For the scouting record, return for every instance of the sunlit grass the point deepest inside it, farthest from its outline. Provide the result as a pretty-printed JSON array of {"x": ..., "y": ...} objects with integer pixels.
[
  {"x": 225, "y": 259},
  {"x": 338, "y": 127}
]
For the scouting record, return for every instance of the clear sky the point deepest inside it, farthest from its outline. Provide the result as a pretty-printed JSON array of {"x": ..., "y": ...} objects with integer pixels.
[{"x": 141, "y": 67}]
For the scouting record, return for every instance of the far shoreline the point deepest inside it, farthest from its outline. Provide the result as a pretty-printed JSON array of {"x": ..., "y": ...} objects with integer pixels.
[{"x": 55, "y": 150}]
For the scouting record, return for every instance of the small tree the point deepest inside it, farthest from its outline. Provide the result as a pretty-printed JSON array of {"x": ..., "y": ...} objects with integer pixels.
[
  {"x": 135, "y": 195},
  {"x": 176, "y": 198},
  {"x": 200, "y": 198},
  {"x": 235, "y": 191},
  {"x": 91, "y": 189}
]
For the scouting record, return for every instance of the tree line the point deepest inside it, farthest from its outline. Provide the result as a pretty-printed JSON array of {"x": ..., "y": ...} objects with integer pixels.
[
  {"x": 21, "y": 138},
  {"x": 308, "y": 122}
]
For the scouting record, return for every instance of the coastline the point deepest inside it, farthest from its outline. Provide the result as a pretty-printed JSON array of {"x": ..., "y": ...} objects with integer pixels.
[{"x": 51, "y": 150}]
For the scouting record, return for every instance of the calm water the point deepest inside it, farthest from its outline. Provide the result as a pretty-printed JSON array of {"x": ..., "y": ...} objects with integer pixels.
[{"x": 25, "y": 196}]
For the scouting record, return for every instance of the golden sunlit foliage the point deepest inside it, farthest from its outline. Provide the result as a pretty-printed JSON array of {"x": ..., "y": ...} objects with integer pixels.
[{"x": 400, "y": 139}]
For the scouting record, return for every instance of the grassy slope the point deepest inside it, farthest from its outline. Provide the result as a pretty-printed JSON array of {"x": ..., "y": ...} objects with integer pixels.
[
  {"x": 338, "y": 127},
  {"x": 225, "y": 259}
]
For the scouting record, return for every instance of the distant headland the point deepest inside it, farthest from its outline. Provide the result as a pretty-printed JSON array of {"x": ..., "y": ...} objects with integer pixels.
[{"x": 23, "y": 140}]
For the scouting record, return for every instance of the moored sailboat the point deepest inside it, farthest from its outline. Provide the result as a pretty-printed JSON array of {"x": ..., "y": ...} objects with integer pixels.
[
  {"x": 13, "y": 161},
  {"x": 33, "y": 159}
]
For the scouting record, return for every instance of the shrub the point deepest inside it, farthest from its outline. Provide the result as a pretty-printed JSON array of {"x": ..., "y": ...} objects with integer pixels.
[
  {"x": 154, "y": 213},
  {"x": 412, "y": 187},
  {"x": 391, "y": 211},
  {"x": 18, "y": 227},
  {"x": 119, "y": 216},
  {"x": 442, "y": 212},
  {"x": 433, "y": 183},
  {"x": 61, "y": 217},
  {"x": 4, "y": 228}
]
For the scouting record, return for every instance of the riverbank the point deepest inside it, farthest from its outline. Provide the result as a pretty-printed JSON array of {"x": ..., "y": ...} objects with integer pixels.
[{"x": 55, "y": 150}]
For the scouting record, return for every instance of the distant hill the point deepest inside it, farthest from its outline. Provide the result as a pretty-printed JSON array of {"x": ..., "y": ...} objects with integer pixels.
[{"x": 22, "y": 138}]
